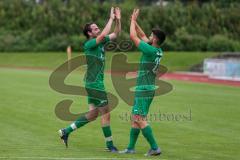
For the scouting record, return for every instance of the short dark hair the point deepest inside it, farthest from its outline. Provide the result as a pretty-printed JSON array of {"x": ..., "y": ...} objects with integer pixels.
[
  {"x": 86, "y": 29},
  {"x": 159, "y": 34}
]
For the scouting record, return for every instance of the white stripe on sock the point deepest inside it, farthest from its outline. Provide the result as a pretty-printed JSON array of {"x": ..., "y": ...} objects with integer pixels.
[
  {"x": 108, "y": 139},
  {"x": 73, "y": 126}
]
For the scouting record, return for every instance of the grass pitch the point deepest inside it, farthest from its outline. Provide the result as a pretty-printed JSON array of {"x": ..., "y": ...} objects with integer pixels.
[
  {"x": 29, "y": 125},
  {"x": 199, "y": 121}
]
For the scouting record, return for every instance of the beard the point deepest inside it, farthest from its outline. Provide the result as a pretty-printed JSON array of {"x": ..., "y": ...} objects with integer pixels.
[{"x": 97, "y": 34}]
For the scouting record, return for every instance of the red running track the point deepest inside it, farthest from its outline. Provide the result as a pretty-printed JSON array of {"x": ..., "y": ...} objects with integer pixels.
[
  {"x": 199, "y": 78},
  {"x": 188, "y": 76}
]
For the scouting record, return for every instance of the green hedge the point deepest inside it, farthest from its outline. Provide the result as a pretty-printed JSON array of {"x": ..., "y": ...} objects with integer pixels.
[
  {"x": 221, "y": 43},
  {"x": 53, "y": 25}
]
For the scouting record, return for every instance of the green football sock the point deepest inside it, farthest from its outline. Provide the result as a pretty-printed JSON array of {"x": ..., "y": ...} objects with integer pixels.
[
  {"x": 81, "y": 121},
  {"x": 147, "y": 133},
  {"x": 108, "y": 136},
  {"x": 134, "y": 132}
]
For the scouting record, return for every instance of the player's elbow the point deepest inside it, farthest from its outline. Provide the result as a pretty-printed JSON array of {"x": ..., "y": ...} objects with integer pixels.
[
  {"x": 143, "y": 36},
  {"x": 135, "y": 39},
  {"x": 113, "y": 36},
  {"x": 132, "y": 36}
]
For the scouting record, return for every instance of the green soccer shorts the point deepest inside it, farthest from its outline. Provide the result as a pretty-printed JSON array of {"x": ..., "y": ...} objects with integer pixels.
[
  {"x": 97, "y": 95},
  {"x": 142, "y": 102}
]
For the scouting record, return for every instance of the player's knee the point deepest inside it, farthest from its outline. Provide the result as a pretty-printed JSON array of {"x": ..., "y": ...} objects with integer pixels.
[
  {"x": 139, "y": 121},
  {"x": 143, "y": 124},
  {"x": 135, "y": 124},
  {"x": 92, "y": 115},
  {"x": 104, "y": 110}
]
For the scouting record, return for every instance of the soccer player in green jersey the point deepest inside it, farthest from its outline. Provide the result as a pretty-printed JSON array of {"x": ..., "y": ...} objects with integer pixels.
[
  {"x": 94, "y": 77},
  {"x": 145, "y": 89}
]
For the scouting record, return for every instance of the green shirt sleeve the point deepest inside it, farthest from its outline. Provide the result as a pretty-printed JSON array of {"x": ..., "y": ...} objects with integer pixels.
[
  {"x": 90, "y": 44},
  {"x": 147, "y": 49},
  {"x": 93, "y": 42}
]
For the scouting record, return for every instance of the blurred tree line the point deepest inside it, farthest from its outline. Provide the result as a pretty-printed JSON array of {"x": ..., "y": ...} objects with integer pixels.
[{"x": 52, "y": 25}]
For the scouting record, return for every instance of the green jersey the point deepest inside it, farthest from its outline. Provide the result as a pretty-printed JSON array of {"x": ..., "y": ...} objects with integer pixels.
[
  {"x": 145, "y": 89},
  {"x": 95, "y": 57},
  {"x": 149, "y": 64}
]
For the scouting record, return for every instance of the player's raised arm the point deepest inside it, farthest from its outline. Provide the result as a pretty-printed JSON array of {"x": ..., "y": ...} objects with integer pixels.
[
  {"x": 117, "y": 24},
  {"x": 107, "y": 28},
  {"x": 141, "y": 33},
  {"x": 133, "y": 33}
]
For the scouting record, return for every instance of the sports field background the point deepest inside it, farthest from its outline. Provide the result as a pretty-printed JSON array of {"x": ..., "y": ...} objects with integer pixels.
[
  {"x": 28, "y": 124},
  {"x": 174, "y": 61}
]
